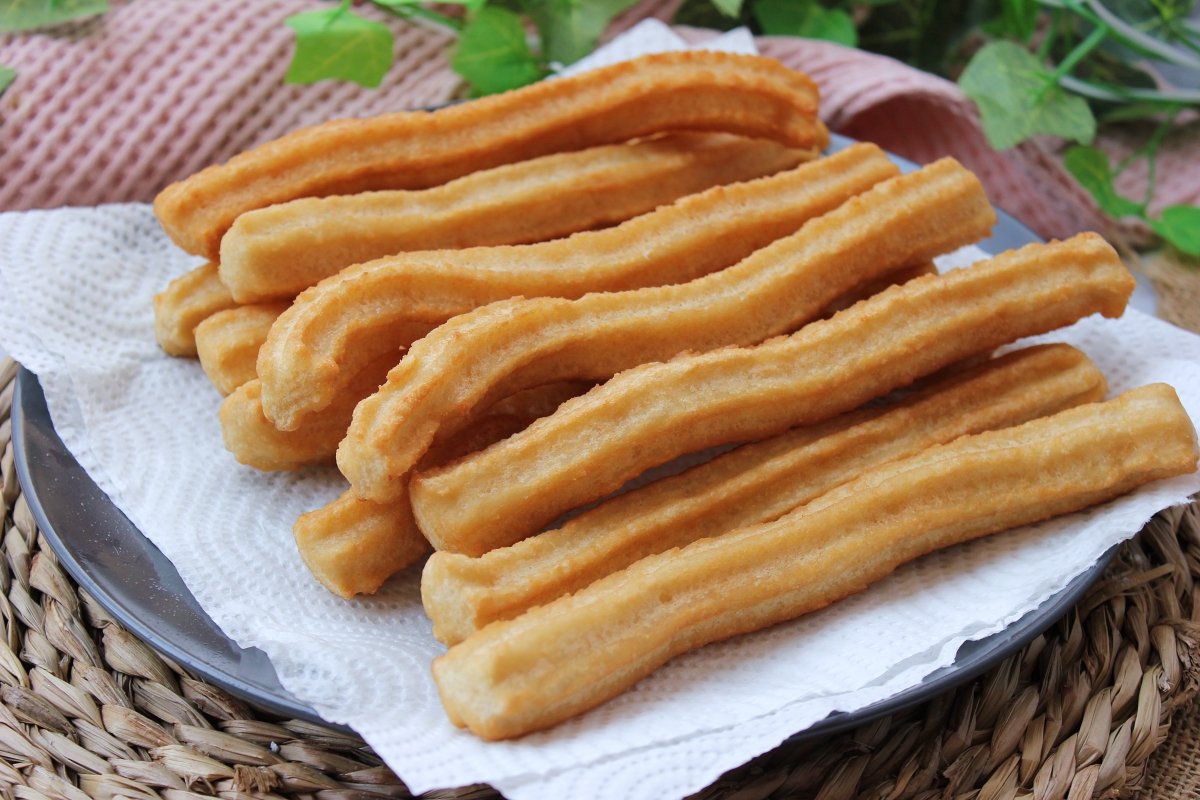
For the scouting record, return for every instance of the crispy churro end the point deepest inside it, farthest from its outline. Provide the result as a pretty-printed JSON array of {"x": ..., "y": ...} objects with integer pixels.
[
  {"x": 173, "y": 340},
  {"x": 442, "y": 597},
  {"x": 1174, "y": 417},
  {"x": 186, "y": 301},
  {"x": 1093, "y": 247},
  {"x": 352, "y": 546}
]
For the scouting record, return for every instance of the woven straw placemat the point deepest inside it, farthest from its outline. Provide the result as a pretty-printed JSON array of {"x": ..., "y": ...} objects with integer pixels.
[{"x": 87, "y": 710}]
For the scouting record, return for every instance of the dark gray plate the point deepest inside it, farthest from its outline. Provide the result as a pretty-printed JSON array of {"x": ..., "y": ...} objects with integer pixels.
[{"x": 118, "y": 566}]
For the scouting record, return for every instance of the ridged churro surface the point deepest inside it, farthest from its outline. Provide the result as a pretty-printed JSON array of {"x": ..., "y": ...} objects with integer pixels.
[
  {"x": 352, "y": 546},
  {"x": 228, "y": 342},
  {"x": 186, "y": 302},
  {"x": 637, "y": 420},
  {"x": 352, "y": 317},
  {"x": 256, "y": 442},
  {"x": 689, "y": 91},
  {"x": 503, "y": 347},
  {"x": 754, "y": 483},
  {"x": 563, "y": 658},
  {"x": 280, "y": 250}
]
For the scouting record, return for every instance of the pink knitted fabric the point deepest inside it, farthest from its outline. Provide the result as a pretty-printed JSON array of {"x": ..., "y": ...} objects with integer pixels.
[{"x": 115, "y": 108}]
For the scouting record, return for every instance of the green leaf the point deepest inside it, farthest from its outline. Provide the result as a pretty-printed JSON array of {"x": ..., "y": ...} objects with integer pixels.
[
  {"x": 569, "y": 29},
  {"x": 1016, "y": 100},
  {"x": 730, "y": 8},
  {"x": 806, "y": 18},
  {"x": 493, "y": 54},
  {"x": 471, "y": 5},
  {"x": 7, "y": 76},
  {"x": 1019, "y": 18},
  {"x": 24, "y": 15},
  {"x": 705, "y": 14},
  {"x": 1180, "y": 225},
  {"x": 337, "y": 44},
  {"x": 1090, "y": 167}
]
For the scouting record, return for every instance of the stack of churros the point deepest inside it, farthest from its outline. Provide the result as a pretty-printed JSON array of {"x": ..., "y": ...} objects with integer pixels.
[{"x": 502, "y": 311}]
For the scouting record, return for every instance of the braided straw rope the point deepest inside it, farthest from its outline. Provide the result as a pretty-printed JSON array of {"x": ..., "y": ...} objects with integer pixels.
[{"x": 87, "y": 710}]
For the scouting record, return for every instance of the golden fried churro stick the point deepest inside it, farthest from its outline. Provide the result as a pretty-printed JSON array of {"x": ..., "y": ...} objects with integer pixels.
[
  {"x": 352, "y": 546},
  {"x": 373, "y": 521},
  {"x": 650, "y": 414},
  {"x": 228, "y": 343},
  {"x": 692, "y": 91},
  {"x": 754, "y": 483},
  {"x": 280, "y": 250},
  {"x": 894, "y": 278},
  {"x": 353, "y": 316},
  {"x": 256, "y": 442},
  {"x": 186, "y": 302},
  {"x": 563, "y": 658},
  {"x": 503, "y": 347}
]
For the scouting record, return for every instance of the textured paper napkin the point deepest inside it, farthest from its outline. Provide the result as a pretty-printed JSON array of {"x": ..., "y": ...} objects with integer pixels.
[{"x": 75, "y": 289}]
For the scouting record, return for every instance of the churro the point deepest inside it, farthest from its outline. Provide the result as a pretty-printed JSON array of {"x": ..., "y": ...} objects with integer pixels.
[
  {"x": 637, "y": 420},
  {"x": 352, "y": 546},
  {"x": 560, "y": 659},
  {"x": 280, "y": 250},
  {"x": 685, "y": 91},
  {"x": 352, "y": 317},
  {"x": 503, "y": 347},
  {"x": 255, "y": 442},
  {"x": 228, "y": 342},
  {"x": 186, "y": 302},
  {"x": 752, "y": 484}
]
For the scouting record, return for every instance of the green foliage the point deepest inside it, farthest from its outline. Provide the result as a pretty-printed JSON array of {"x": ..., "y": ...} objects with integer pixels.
[
  {"x": 26, "y": 15},
  {"x": 1090, "y": 167},
  {"x": 807, "y": 18},
  {"x": 707, "y": 14},
  {"x": 493, "y": 54},
  {"x": 1180, "y": 225},
  {"x": 569, "y": 29},
  {"x": 338, "y": 44},
  {"x": 730, "y": 8},
  {"x": 1018, "y": 97},
  {"x": 7, "y": 76},
  {"x": 1017, "y": 20}
]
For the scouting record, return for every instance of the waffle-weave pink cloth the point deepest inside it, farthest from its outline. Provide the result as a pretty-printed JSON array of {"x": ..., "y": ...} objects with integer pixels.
[{"x": 115, "y": 108}]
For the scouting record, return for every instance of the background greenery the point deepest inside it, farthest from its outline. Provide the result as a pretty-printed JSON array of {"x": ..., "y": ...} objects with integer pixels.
[{"x": 1033, "y": 67}]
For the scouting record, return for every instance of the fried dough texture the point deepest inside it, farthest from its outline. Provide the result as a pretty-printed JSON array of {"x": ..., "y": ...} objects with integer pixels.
[
  {"x": 560, "y": 659},
  {"x": 256, "y": 442},
  {"x": 687, "y": 91},
  {"x": 280, "y": 250},
  {"x": 501, "y": 348},
  {"x": 372, "y": 519},
  {"x": 640, "y": 419},
  {"x": 754, "y": 483},
  {"x": 186, "y": 302},
  {"x": 352, "y": 546},
  {"x": 360, "y": 313},
  {"x": 228, "y": 342},
  {"x": 366, "y": 537}
]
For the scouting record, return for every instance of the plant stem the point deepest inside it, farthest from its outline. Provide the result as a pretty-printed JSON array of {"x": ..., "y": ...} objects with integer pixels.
[
  {"x": 1077, "y": 54},
  {"x": 420, "y": 12},
  {"x": 1120, "y": 94},
  {"x": 1137, "y": 39},
  {"x": 1151, "y": 152},
  {"x": 1043, "y": 51}
]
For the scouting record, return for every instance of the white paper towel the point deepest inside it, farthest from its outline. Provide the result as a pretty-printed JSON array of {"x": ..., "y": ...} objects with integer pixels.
[{"x": 75, "y": 289}]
